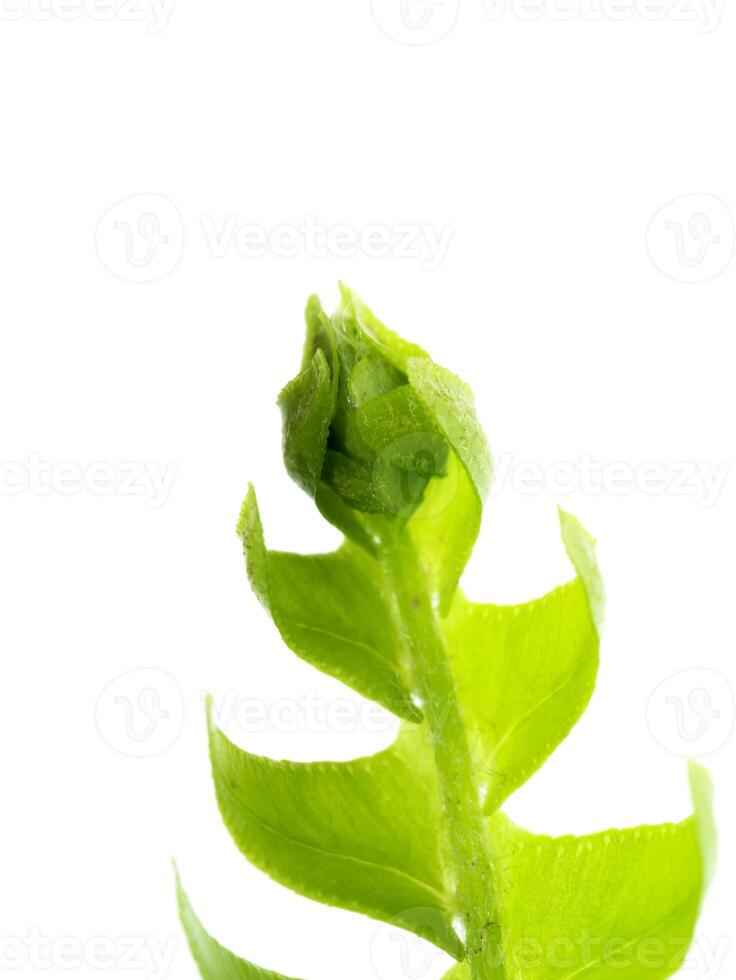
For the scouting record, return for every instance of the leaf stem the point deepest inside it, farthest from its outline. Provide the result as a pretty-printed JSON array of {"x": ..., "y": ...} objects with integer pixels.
[{"x": 465, "y": 826}]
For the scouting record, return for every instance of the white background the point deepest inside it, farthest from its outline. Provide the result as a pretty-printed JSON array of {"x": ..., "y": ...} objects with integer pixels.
[{"x": 544, "y": 146}]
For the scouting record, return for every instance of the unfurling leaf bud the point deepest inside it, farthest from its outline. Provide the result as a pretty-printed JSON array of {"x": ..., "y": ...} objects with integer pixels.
[{"x": 356, "y": 432}]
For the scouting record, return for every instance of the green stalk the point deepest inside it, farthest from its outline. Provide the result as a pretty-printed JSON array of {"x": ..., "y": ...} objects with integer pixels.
[{"x": 476, "y": 894}]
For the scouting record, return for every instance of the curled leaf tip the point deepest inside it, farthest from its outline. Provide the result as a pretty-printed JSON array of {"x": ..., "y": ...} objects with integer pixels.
[
  {"x": 581, "y": 549},
  {"x": 241, "y": 528},
  {"x": 702, "y": 791}
]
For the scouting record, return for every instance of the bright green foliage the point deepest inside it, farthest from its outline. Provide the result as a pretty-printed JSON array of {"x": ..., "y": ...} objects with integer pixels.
[
  {"x": 622, "y": 903},
  {"x": 359, "y": 834},
  {"x": 388, "y": 445},
  {"x": 331, "y": 611},
  {"x": 525, "y": 673},
  {"x": 214, "y": 961},
  {"x": 603, "y": 903}
]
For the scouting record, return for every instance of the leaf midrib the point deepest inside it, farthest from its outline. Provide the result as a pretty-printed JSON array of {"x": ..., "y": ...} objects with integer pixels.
[
  {"x": 580, "y": 663},
  {"x": 346, "y": 639},
  {"x": 662, "y": 923},
  {"x": 397, "y": 872}
]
